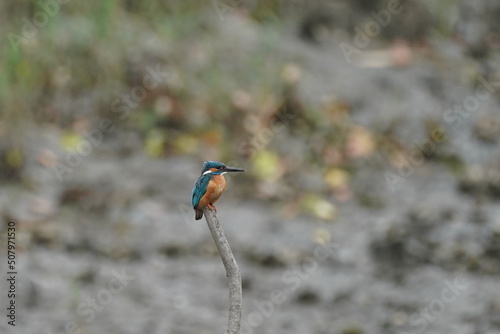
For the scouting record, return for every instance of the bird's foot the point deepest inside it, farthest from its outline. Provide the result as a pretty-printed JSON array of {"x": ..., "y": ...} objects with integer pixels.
[{"x": 212, "y": 207}]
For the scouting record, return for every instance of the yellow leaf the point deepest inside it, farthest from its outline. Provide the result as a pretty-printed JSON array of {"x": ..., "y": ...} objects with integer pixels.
[
  {"x": 336, "y": 177},
  {"x": 319, "y": 207},
  {"x": 24, "y": 69},
  {"x": 186, "y": 144},
  {"x": 14, "y": 157},
  {"x": 267, "y": 165},
  {"x": 70, "y": 140},
  {"x": 325, "y": 210},
  {"x": 154, "y": 144}
]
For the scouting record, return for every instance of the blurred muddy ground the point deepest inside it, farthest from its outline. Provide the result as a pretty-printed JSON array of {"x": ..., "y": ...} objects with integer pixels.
[{"x": 370, "y": 132}]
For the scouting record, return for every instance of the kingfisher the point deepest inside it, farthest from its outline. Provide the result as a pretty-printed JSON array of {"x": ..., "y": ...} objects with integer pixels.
[{"x": 210, "y": 186}]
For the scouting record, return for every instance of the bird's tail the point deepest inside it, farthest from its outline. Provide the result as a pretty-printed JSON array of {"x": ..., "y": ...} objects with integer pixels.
[{"x": 199, "y": 214}]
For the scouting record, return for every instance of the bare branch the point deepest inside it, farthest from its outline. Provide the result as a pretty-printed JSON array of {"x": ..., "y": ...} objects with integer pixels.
[{"x": 232, "y": 271}]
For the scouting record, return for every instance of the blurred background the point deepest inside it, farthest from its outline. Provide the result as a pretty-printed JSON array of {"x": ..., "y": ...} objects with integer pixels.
[{"x": 370, "y": 134}]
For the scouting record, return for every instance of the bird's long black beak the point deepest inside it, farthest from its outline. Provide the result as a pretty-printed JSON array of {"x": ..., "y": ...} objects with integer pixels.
[{"x": 233, "y": 169}]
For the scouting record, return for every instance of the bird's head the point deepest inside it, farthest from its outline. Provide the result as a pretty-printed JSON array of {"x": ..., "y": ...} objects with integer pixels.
[{"x": 218, "y": 168}]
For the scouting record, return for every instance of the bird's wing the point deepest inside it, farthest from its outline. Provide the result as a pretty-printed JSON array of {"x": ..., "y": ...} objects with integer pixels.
[{"x": 199, "y": 189}]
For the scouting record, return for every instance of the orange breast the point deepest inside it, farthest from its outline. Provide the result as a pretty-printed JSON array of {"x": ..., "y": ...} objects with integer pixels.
[{"x": 215, "y": 188}]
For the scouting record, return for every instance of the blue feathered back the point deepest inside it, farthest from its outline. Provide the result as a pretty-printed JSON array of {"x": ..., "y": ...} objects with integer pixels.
[{"x": 200, "y": 188}]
